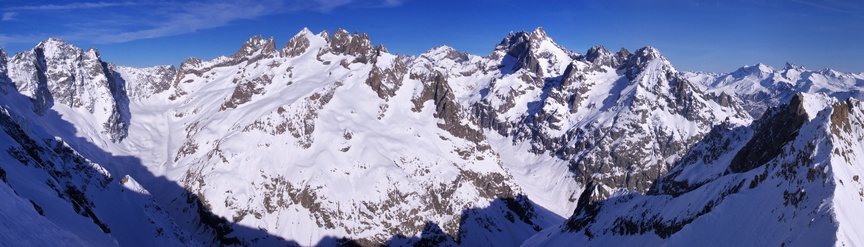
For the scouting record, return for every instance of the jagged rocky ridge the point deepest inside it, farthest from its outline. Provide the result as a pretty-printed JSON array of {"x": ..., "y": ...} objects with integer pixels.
[{"x": 331, "y": 138}]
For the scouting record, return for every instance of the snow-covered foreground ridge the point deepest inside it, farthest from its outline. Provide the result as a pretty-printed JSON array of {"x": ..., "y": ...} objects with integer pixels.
[{"x": 331, "y": 140}]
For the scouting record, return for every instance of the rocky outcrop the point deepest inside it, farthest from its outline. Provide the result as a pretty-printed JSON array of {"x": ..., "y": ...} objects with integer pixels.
[
  {"x": 779, "y": 126},
  {"x": 5, "y": 83},
  {"x": 385, "y": 81},
  {"x": 528, "y": 49},
  {"x": 599, "y": 57},
  {"x": 357, "y": 45},
  {"x": 297, "y": 45},
  {"x": 436, "y": 89},
  {"x": 255, "y": 49}
]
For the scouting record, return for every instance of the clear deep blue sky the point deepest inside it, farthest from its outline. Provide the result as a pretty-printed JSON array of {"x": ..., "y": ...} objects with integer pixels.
[{"x": 717, "y": 36}]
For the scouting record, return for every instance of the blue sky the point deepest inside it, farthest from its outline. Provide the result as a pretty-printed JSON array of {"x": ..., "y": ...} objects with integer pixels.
[{"x": 717, "y": 36}]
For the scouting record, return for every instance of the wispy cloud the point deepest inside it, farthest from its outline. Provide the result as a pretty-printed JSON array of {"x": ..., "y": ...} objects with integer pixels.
[
  {"x": 328, "y": 5},
  {"x": 8, "y": 16},
  {"x": 842, "y": 7},
  {"x": 190, "y": 17},
  {"x": 9, "y": 39},
  {"x": 69, "y": 6},
  {"x": 393, "y": 2},
  {"x": 136, "y": 20}
]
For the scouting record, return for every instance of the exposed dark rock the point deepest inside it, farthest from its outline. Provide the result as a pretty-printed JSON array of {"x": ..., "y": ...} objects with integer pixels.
[
  {"x": 297, "y": 45},
  {"x": 599, "y": 56},
  {"x": 256, "y": 48},
  {"x": 777, "y": 127},
  {"x": 637, "y": 62},
  {"x": 436, "y": 88},
  {"x": 386, "y": 81},
  {"x": 357, "y": 45},
  {"x": 840, "y": 121},
  {"x": 244, "y": 91},
  {"x": 524, "y": 47}
]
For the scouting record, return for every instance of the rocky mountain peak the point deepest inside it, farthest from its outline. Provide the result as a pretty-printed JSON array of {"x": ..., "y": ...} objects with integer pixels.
[
  {"x": 640, "y": 59},
  {"x": 190, "y": 63},
  {"x": 528, "y": 49},
  {"x": 600, "y": 56},
  {"x": 255, "y": 49},
  {"x": 596, "y": 52},
  {"x": 793, "y": 66},
  {"x": 57, "y": 48},
  {"x": 298, "y": 44},
  {"x": 539, "y": 34},
  {"x": 446, "y": 52},
  {"x": 647, "y": 53},
  {"x": 357, "y": 45},
  {"x": 324, "y": 34}
]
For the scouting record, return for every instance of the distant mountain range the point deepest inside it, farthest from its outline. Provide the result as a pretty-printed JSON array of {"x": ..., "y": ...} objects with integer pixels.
[{"x": 331, "y": 140}]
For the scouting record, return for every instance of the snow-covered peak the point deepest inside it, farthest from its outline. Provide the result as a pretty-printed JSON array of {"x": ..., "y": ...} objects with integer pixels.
[
  {"x": 539, "y": 34},
  {"x": 54, "y": 48},
  {"x": 53, "y": 42},
  {"x": 645, "y": 58},
  {"x": 793, "y": 66},
  {"x": 190, "y": 63},
  {"x": 301, "y": 42},
  {"x": 305, "y": 31},
  {"x": 445, "y": 52},
  {"x": 647, "y": 53},
  {"x": 758, "y": 70}
]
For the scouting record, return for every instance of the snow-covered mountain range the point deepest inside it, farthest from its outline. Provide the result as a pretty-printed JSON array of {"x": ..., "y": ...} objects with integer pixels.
[{"x": 332, "y": 140}]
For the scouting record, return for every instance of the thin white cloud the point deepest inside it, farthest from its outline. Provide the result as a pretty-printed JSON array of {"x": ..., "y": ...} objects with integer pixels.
[
  {"x": 8, "y": 16},
  {"x": 130, "y": 21},
  {"x": 191, "y": 17},
  {"x": 69, "y": 6},
  {"x": 835, "y": 6},
  {"x": 392, "y": 3},
  {"x": 18, "y": 39},
  {"x": 328, "y": 5}
]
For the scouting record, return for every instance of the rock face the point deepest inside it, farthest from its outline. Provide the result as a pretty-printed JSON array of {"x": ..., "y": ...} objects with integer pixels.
[{"x": 332, "y": 140}]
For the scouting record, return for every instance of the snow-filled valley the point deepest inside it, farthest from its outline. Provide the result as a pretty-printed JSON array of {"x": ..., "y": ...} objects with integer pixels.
[{"x": 332, "y": 140}]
